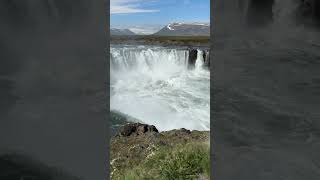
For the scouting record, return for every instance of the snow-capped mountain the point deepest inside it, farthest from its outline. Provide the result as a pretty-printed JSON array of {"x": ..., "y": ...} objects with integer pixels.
[
  {"x": 185, "y": 29},
  {"x": 121, "y": 32}
]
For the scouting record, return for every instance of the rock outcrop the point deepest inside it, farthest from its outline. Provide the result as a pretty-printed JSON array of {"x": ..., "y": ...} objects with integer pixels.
[
  {"x": 137, "y": 129},
  {"x": 192, "y": 58},
  {"x": 206, "y": 57}
]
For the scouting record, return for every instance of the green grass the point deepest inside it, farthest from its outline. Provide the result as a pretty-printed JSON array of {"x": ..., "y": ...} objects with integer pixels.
[
  {"x": 164, "y": 39},
  {"x": 181, "y": 162}
]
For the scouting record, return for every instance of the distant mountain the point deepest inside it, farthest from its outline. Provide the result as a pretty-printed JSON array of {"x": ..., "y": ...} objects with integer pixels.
[
  {"x": 120, "y": 32},
  {"x": 185, "y": 29},
  {"x": 146, "y": 29}
]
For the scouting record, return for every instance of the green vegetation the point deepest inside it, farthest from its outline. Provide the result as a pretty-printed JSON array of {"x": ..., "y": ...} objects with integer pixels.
[
  {"x": 182, "y": 161},
  {"x": 166, "y": 40}
]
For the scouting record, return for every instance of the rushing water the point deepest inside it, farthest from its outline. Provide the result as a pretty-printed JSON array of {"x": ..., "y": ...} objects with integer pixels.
[{"x": 155, "y": 86}]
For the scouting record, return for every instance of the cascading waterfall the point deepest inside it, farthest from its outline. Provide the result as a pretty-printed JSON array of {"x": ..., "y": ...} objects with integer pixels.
[
  {"x": 200, "y": 61},
  {"x": 155, "y": 85}
]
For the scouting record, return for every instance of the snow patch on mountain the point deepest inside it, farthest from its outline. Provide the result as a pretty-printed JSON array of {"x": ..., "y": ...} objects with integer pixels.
[
  {"x": 168, "y": 26},
  {"x": 185, "y": 29}
]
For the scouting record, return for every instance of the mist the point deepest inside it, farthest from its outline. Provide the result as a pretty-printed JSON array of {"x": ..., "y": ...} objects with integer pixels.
[{"x": 158, "y": 86}]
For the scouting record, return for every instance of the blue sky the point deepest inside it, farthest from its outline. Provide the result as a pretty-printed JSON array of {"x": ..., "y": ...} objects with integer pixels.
[{"x": 130, "y": 13}]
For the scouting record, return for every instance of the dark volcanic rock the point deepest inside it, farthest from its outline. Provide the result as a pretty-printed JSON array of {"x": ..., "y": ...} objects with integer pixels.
[
  {"x": 137, "y": 129},
  {"x": 185, "y": 130},
  {"x": 192, "y": 58},
  {"x": 131, "y": 148},
  {"x": 181, "y": 132},
  {"x": 206, "y": 57}
]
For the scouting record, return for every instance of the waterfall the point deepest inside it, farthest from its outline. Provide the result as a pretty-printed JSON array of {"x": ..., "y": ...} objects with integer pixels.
[
  {"x": 154, "y": 60},
  {"x": 199, "y": 61},
  {"x": 147, "y": 59},
  {"x": 157, "y": 86}
]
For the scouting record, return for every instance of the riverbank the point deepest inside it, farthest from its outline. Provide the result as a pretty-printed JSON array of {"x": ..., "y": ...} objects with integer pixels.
[{"x": 194, "y": 41}]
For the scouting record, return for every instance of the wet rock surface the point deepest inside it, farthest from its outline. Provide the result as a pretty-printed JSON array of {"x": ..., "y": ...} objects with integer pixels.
[
  {"x": 192, "y": 58},
  {"x": 206, "y": 57}
]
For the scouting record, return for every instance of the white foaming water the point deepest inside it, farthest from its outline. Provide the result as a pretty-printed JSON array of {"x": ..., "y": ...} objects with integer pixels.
[
  {"x": 200, "y": 60},
  {"x": 153, "y": 84}
]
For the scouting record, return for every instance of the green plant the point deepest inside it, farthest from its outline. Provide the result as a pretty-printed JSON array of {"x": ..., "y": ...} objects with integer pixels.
[{"x": 182, "y": 161}]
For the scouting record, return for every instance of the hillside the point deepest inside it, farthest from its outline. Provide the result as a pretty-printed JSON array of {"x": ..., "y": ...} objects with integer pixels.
[
  {"x": 185, "y": 29},
  {"x": 121, "y": 32},
  {"x": 139, "y": 151}
]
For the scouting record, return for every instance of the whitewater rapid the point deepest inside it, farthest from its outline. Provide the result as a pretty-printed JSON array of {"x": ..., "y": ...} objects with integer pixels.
[{"x": 155, "y": 85}]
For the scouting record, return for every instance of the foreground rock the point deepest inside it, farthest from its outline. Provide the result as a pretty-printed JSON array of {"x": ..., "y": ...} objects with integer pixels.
[
  {"x": 137, "y": 129},
  {"x": 136, "y": 142}
]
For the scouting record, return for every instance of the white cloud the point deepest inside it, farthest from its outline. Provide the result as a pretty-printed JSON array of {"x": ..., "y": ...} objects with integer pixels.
[
  {"x": 145, "y": 30},
  {"x": 141, "y": 29},
  {"x": 129, "y": 6}
]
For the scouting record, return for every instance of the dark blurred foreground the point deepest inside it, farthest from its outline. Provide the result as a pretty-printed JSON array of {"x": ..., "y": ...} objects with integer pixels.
[
  {"x": 266, "y": 90},
  {"x": 52, "y": 89}
]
